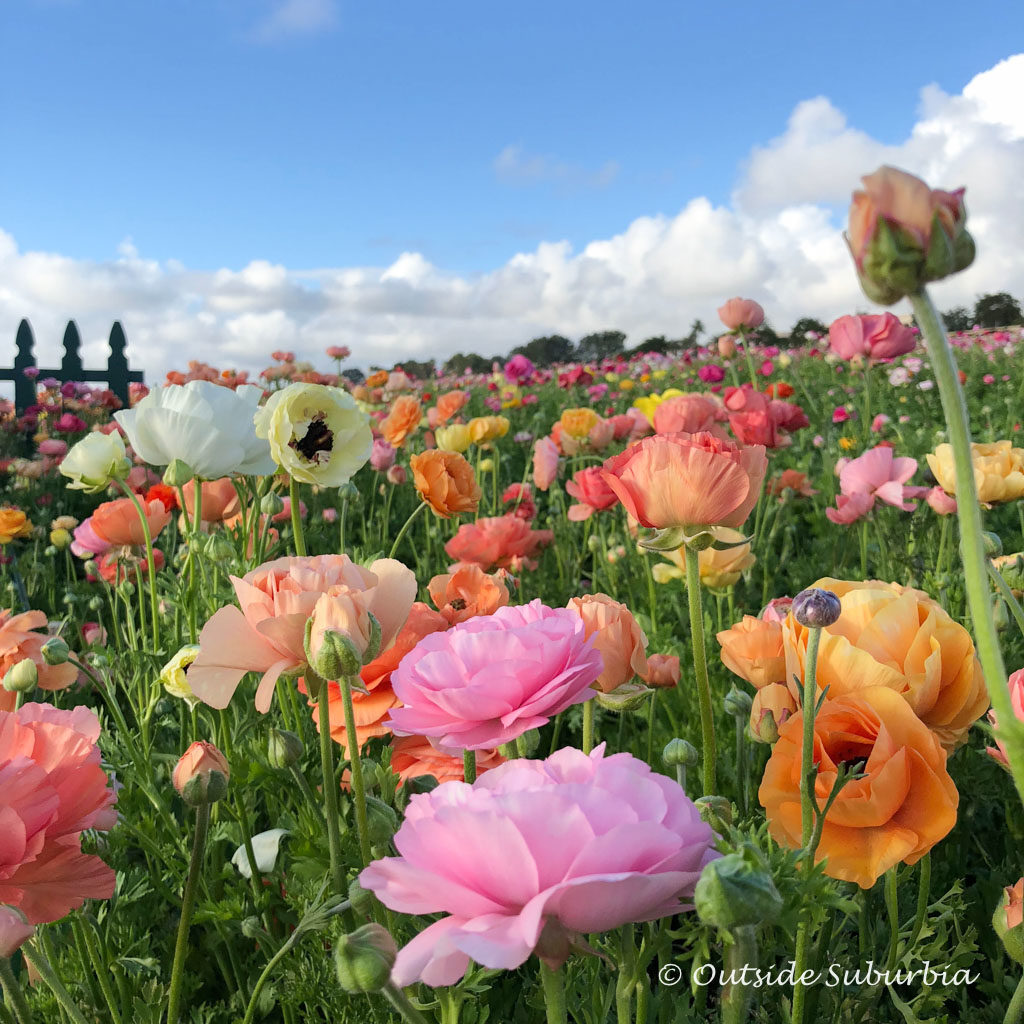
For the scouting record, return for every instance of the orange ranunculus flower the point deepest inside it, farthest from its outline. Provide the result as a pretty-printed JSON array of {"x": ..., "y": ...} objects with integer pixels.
[
  {"x": 616, "y": 635},
  {"x": 998, "y": 470},
  {"x": 752, "y": 649},
  {"x": 413, "y": 757},
  {"x": 20, "y": 639},
  {"x": 446, "y": 482},
  {"x": 772, "y": 707},
  {"x": 402, "y": 421},
  {"x": 893, "y": 636},
  {"x": 378, "y": 379},
  {"x": 220, "y": 500},
  {"x": 779, "y": 389},
  {"x": 793, "y": 480},
  {"x": 467, "y": 591},
  {"x": 117, "y": 522},
  {"x": 902, "y": 807},
  {"x": 662, "y": 671},
  {"x": 687, "y": 480},
  {"x": 449, "y": 404},
  {"x": 578, "y": 423},
  {"x": 13, "y": 523}
]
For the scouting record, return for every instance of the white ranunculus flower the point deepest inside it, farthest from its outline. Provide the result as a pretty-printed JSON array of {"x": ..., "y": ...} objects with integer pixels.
[
  {"x": 265, "y": 847},
  {"x": 95, "y": 461},
  {"x": 206, "y": 426}
]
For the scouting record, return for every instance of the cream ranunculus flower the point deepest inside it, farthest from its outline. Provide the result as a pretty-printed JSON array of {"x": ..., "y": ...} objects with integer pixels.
[
  {"x": 317, "y": 434},
  {"x": 95, "y": 461},
  {"x": 173, "y": 674},
  {"x": 718, "y": 568},
  {"x": 206, "y": 426},
  {"x": 998, "y": 470},
  {"x": 453, "y": 438}
]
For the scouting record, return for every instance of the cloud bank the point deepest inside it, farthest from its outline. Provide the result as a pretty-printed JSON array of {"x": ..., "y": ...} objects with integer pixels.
[{"x": 778, "y": 241}]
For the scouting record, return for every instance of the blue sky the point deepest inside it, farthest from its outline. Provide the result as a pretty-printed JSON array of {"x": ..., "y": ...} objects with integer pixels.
[
  {"x": 410, "y": 179},
  {"x": 344, "y": 133}
]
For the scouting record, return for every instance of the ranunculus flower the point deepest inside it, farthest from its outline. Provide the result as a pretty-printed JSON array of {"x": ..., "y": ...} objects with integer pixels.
[
  {"x": 849, "y": 508},
  {"x": 791, "y": 480},
  {"x": 662, "y": 670},
  {"x": 545, "y": 463},
  {"x": 903, "y": 806},
  {"x": 616, "y": 635},
  {"x": 487, "y": 428},
  {"x": 520, "y": 497},
  {"x": 737, "y": 313},
  {"x": 591, "y": 492},
  {"x": 873, "y": 337},
  {"x": 771, "y": 708},
  {"x": 467, "y": 591},
  {"x": 494, "y": 677},
  {"x": 449, "y": 404},
  {"x": 14, "y": 931},
  {"x": 518, "y": 368},
  {"x": 752, "y": 649},
  {"x": 998, "y": 470},
  {"x": 220, "y": 500},
  {"x": 95, "y": 461},
  {"x": 687, "y": 480},
  {"x": 446, "y": 482},
  {"x": 776, "y": 609},
  {"x": 13, "y": 523},
  {"x": 208, "y": 427},
  {"x": 201, "y": 758},
  {"x": 503, "y": 542},
  {"x": 879, "y": 474},
  {"x": 382, "y": 455},
  {"x": 454, "y": 438},
  {"x": 940, "y": 502},
  {"x": 412, "y": 757},
  {"x": 893, "y": 636},
  {"x": 317, "y": 434},
  {"x": 1016, "y": 684},
  {"x": 118, "y": 522},
  {"x": 597, "y": 842},
  {"x": 267, "y": 634},
  {"x": 54, "y": 788},
  {"x": 577, "y": 423},
  {"x": 20, "y": 639},
  {"x": 726, "y": 347},
  {"x": 403, "y": 420},
  {"x": 689, "y": 413}
]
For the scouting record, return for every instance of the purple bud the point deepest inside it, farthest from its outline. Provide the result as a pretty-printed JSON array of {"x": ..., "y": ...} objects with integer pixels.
[{"x": 816, "y": 608}]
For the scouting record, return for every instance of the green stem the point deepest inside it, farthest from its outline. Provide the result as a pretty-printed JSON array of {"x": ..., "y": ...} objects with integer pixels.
[
  {"x": 588, "y": 726},
  {"x": 45, "y": 971},
  {"x": 296, "y": 511},
  {"x": 1007, "y": 595},
  {"x": 553, "y": 984},
  {"x": 625, "y": 981},
  {"x": 810, "y": 701},
  {"x": 1015, "y": 1011},
  {"x": 330, "y": 793},
  {"x": 803, "y": 938},
  {"x": 892, "y": 906},
  {"x": 923, "y": 883},
  {"x": 150, "y": 564},
  {"x": 737, "y": 997},
  {"x": 700, "y": 666},
  {"x": 188, "y": 903},
  {"x": 13, "y": 995},
  {"x": 405, "y": 527},
  {"x": 972, "y": 547},
  {"x": 400, "y": 1001},
  {"x": 469, "y": 766},
  {"x": 100, "y": 967}
]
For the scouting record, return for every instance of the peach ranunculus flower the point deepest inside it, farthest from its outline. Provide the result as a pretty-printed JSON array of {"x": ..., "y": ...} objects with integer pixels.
[
  {"x": 897, "y": 637},
  {"x": 200, "y": 758},
  {"x": 998, "y": 470},
  {"x": 448, "y": 405},
  {"x": 577, "y": 423},
  {"x": 687, "y": 480},
  {"x": 545, "y": 463},
  {"x": 752, "y": 649},
  {"x": 662, "y": 671},
  {"x": 689, "y": 413},
  {"x": 719, "y": 567},
  {"x": 220, "y": 500},
  {"x": 467, "y": 591},
  {"x": 1016, "y": 684},
  {"x": 616, "y": 635},
  {"x": 402, "y": 421},
  {"x": 503, "y": 542},
  {"x": 904, "y": 805},
  {"x": 19, "y": 640},
  {"x": 13, "y": 523},
  {"x": 370, "y": 709},
  {"x": 737, "y": 313},
  {"x": 790, "y": 480},
  {"x": 267, "y": 633},
  {"x": 117, "y": 522},
  {"x": 446, "y": 482},
  {"x": 414, "y": 756}
]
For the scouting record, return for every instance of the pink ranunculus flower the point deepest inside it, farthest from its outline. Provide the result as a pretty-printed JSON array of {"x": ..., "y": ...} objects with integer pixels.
[
  {"x": 54, "y": 447},
  {"x": 596, "y": 842},
  {"x": 873, "y": 337},
  {"x": 850, "y": 508},
  {"x": 592, "y": 494},
  {"x": 1016, "y": 682},
  {"x": 776, "y": 609},
  {"x": 14, "y": 931},
  {"x": 87, "y": 541},
  {"x": 692, "y": 413},
  {"x": 738, "y": 313},
  {"x": 494, "y": 677},
  {"x": 545, "y": 463},
  {"x": 382, "y": 455},
  {"x": 711, "y": 373},
  {"x": 879, "y": 422},
  {"x": 518, "y": 368},
  {"x": 54, "y": 788},
  {"x": 880, "y": 475},
  {"x": 940, "y": 502},
  {"x": 267, "y": 633}
]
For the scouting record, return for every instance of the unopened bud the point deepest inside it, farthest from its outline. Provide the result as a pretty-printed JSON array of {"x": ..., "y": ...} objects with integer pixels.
[
  {"x": 178, "y": 473},
  {"x": 627, "y": 697},
  {"x": 816, "y": 608},
  {"x": 737, "y": 890},
  {"x": 271, "y": 504},
  {"x": 382, "y": 820},
  {"x": 22, "y": 677},
  {"x": 217, "y": 548},
  {"x": 362, "y": 900},
  {"x": 335, "y": 655},
  {"x": 283, "y": 748},
  {"x": 993, "y": 544},
  {"x": 679, "y": 752},
  {"x": 363, "y": 959},
  {"x": 201, "y": 775},
  {"x": 60, "y": 539},
  {"x": 715, "y": 810},
  {"x": 1008, "y": 921},
  {"x": 1000, "y": 615},
  {"x": 349, "y": 492},
  {"x": 55, "y": 651},
  {"x": 738, "y": 703}
]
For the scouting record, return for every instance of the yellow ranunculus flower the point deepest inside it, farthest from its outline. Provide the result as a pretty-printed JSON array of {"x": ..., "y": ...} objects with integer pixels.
[
  {"x": 612, "y": 378},
  {"x": 60, "y": 538},
  {"x": 487, "y": 428},
  {"x": 626, "y": 385},
  {"x": 453, "y": 438},
  {"x": 998, "y": 470},
  {"x": 578, "y": 423},
  {"x": 317, "y": 434},
  {"x": 718, "y": 569},
  {"x": 173, "y": 676},
  {"x": 659, "y": 374},
  {"x": 647, "y": 404}
]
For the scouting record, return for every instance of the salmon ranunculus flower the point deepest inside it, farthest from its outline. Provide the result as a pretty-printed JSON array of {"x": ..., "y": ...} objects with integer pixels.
[
  {"x": 13, "y": 523},
  {"x": 267, "y": 633},
  {"x": 737, "y": 313},
  {"x": 791, "y": 480},
  {"x": 905, "y": 804},
  {"x": 20, "y": 639},
  {"x": 413, "y": 757},
  {"x": 118, "y": 522},
  {"x": 998, "y": 470},
  {"x": 662, "y": 670},
  {"x": 54, "y": 788},
  {"x": 689, "y": 413},
  {"x": 1016, "y": 684},
  {"x": 591, "y": 492},
  {"x": 467, "y": 591},
  {"x": 503, "y": 542},
  {"x": 201, "y": 758},
  {"x": 893, "y": 636},
  {"x": 449, "y": 404},
  {"x": 752, "y": 649},
  {"x": 220, "y": 500},
  {"x": 403, "y": 420},
  {"x": 446, "y": 482},
  {"x": 545, "y": 463},
  {"x": 687, "y": 480},
  {"x": 577, "y": 423},
  {"x": 616, "y": 635}
]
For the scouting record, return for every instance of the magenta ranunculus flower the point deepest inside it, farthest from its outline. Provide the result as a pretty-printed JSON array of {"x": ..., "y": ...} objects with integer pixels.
[
  {"x": 536, "y": 854},
  {"x": 494, "y": 677}
]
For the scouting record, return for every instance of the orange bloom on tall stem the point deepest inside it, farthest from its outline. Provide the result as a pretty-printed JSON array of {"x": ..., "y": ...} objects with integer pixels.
[
  {"x": 752, "y": 649},
  {"x": 449, "y": 404},
  {"x": 616, "y": 635},
  {"x": 220, "y": 500},
  {"x": 402, "y": 421},
  {"x": 13, "y": 523},
  {"x": 117, "y": 522},
  {"x": 446, "y": 482},
  {"x": 19, "y": 640},
  {"x": 905, "y": 803},
  {"x": 686, "y": 480},
  {"x": 467, "y": 591}
]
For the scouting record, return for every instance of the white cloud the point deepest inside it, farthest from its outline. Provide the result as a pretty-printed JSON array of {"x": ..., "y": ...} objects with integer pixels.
[
  {"x": 779, "y": 241},
  {"x": 514, "y": 166},
  {"x": 296, "y": 17}
]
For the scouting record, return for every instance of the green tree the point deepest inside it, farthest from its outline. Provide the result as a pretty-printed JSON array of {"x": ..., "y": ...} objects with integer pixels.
[
  {"x": 421, "y": 369},
  {"x": 547, "y": 350},
  {"x": 997, "y": 310},
  {"x": 460, "y": 363},
  {"x": 958, "y": 319},
  {"x": 805, "y": 325},
  {"x": 602, "y": 345}
]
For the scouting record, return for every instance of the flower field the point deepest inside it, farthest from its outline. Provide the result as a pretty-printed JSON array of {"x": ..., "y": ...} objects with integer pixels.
[{"x": 674, "y": 688}]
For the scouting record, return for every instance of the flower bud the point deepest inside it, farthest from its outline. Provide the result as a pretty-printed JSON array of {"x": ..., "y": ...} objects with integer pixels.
[
  {"x": 21, "y": 677},
  {"x": 271, "y": 504},
  {"x": 362, "y": 900},
  {"x": 993, "y": 544},
  {"x": 715, "y": 810},
  {"x": 350, "y": 493},
  {"x": 727, "y": 346},
  {"x": 1000, "y": 615},
  {"x": 60, "y": 539},
  {"x": 816, "y": 608},
  {"x": 363, "y": 959},
  {"x": 337, "y": 655},
  {"x": 737, "y": 890},
  {"x": 178, "y": 473},
  {"x": 14, "y": 931},
  {"x": 283, "y": 748},
  {"x": 679, "y": 752},
  {"x": 1008, "y": 920},
  {"x": 397, "y": 475},
  {"x": 201, "y": 775},
  {"x": 55, "y": 651},
  {"x": 627, "y": 697},
  {"x": 421, "y": 784},
  {"x": 217, "y": 548},
  {"x": 252, "y": 927},
  {"x": 382, "y": 821},
  {"x": 485, "y": 465},
  {"x": 738, "y": 703}
]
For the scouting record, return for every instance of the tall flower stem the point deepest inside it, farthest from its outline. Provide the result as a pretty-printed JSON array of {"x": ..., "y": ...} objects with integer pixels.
[
  {"x": 740, "y": 952},
  {"x": 972, "y": 545},
  {"x": 356, "y": 768},
  {"x": 469, "y": 766},
  {"x": 700, "y": 667},
  {"x": 810, "y": 700},
  {"x": 553, "y": 984},
  {"x": 45, "y": 971},
  {"x": 405, "y": 528},
  {"x": 1015, "y": 1011},
  {"x": 188, "y": 904},
  {"x": 330, "y": 791},
  {"x": 296, "y": 511},
  {"x": 13, "y": 995},
  {"x": 150, "y": 564},
  {"x": 588, "y": 726},
  {"x": 892, "y": 907}
]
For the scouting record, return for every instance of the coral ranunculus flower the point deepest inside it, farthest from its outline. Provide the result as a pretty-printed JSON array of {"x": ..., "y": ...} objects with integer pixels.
[
  {"x": 118, "y": 522},
  {"x": 449, "y": 404},
  {"x": 752, "y": 649},
  {"x": 13, "y": 523},
  {"x": 893, "y": 636},
  {"x": 616, "y": 635},
  {"x": 905, "y": 804},
  {"x": 446, "y": 482},
  {"x": 873, "y": 337},
  {"x": 998, "y": 470},
  {"x": 54, "y": 788},
  {"x": 220, "y": 500},
  {"x": 20, "y": 639},
  {"x": 600, "y": 841},
  {"x": 403, "y": 420},
  {"x": 689, "y": 413},
  {"x": 738, "y": 313},
  {"x": 545, "y": 463},
  {"x": 412, "y": 757},
  {"x": 591, "y": 492},
  {"x": 467, "y": 591},
  {"x": 687, "y": 480},
  {"x": 503, "y": 542}
]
